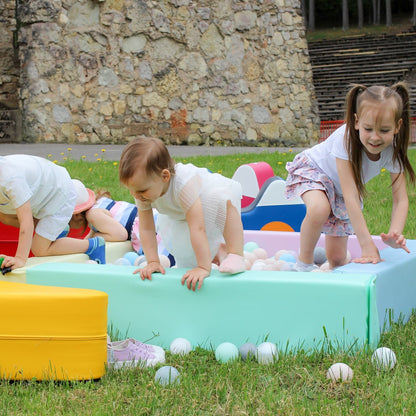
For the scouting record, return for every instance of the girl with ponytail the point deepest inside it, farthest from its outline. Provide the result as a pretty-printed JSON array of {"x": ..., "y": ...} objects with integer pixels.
[{"x": 331, "y": 176}]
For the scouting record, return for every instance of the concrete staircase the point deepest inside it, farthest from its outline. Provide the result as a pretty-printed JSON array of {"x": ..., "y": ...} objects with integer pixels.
[{"x": 364, "y": 59}]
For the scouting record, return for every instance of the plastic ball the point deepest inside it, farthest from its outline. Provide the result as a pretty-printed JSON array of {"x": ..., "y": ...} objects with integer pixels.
[
  {"x": 258, "y": 265},
  {"x": 384, "y": 358},
  {"x": 250, "y": 256},
  {"x": 250, "y": 246},
  {"x": 139, "y": 260},
  {"x": 267, "y": 353},
  {"x": 89, "y": 261},
  {"x": 167, "y": 375},
  {"x": 290, "y": 258},
  {"x": 226, "y": 352},
  {"x": 164, "y": 260},
  {"x": 339, "y": 372},
  {"x": 325, "y": 267},
  {"x": 319, "y": 256},
  {"x": 279, "y": 253},
  {"x": 122, "y": 262},
  {"x": 214, "y": 266},
  {"x": 247, "y": 351},
  {"x": 286, "y": 266},
  {"x": 180, "y": 346},
  {"x": 260, "y": 253},
  {"x": 131, "y": 256}
]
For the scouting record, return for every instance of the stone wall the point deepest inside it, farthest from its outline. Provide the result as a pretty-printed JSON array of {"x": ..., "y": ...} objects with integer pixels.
[
  {"x": 197, "y": 72},
  {"x": 10, "y": 123}
]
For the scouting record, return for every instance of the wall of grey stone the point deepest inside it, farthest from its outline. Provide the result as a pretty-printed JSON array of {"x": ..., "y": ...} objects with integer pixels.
[{"x": 197, "y": 72}]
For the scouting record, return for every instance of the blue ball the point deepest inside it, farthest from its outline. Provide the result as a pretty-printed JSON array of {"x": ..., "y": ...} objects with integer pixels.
[
  {"x": 167, "y": 375},
  {"x": 247, "y": 351},
  {"x": 288, "y": 257},
  {"x": 250, "y": 246},
  {"x": 122, "y": 262},
  {"x": 226, "y": 352},
  {"x": 319, "y": 255},
  {"x": 131, "y": 256}
]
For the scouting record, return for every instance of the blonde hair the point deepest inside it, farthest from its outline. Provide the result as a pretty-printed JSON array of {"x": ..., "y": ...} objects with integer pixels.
[
  {"x": 147, "y": 153},
  {"x": 356, "y": 99}
]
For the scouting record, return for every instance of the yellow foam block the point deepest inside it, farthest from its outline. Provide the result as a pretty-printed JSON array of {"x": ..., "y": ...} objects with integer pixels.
[{"x": 51, "y": 332}]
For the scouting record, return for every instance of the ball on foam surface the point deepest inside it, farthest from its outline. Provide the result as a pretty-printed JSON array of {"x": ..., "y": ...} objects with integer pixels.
[
  {"x": 139, "y": 260},
  {"x": 319, "y": 256},
  {"x": 250, "y": 246},
  {"x": 267, "y": 353},
  {"x": 288, "y": 257},
  {"x": 226, "y": 352},
  {"x": 384, "y": 358},
  {"x": 167, "y": 375},
  {"x": 247, "y": 351},
  {"x": 122, "y": 262},
  {"x": 339, "y": 372},
  {"x": 180, "y": 346},
  {"x": 131, "y": 256}
]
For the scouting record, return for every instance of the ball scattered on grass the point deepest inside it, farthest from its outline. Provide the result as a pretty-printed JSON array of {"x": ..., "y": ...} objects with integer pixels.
[
  {"x": 384, "y": 358},
  {"x": 180, "y": 346},
  {"x": 226, "y": 352},
  {"x": 247, "y": 351},
  {"x": 267, "y": 353},
  {"x": 339, "y": 372},
  {"x": 167, "y": 375}
]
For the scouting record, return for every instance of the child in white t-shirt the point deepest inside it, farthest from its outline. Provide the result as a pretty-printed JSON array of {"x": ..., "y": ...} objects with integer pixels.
[{"x": 39, "y": 198}]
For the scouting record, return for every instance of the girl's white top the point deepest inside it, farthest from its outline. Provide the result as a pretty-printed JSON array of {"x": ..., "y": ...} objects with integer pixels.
[
  {"x": 323, "y": 156},
  {"x": 186, "y": 185},
  {"x": 30, "y": 178}
]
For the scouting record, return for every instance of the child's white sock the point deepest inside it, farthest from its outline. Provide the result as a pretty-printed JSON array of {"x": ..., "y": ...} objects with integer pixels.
[
  {"x": 96, "y": 249},
  {"x": 300, "y": 266}
]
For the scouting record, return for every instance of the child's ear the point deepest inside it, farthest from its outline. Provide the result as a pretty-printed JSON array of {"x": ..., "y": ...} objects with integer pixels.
[
  {"x": 165, "y": 175},
  {"x": 399, "y": 126},
  {"x": 356, "y": 122}
]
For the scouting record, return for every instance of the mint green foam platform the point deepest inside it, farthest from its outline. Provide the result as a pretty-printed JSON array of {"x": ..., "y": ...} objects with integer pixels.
[
  {"x": 285, "y": 307},
  {"x": 346, "y": 308}
]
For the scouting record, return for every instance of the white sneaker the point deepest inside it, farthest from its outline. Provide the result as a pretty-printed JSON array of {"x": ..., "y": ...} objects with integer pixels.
[{"x": 132, "y": 353}]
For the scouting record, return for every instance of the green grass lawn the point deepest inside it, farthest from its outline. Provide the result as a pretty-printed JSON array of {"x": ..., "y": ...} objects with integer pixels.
[{"x": 295, "y": 385}]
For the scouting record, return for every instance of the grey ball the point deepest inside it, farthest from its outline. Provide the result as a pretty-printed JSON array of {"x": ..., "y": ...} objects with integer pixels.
[
  {"x": 319, "y": 256},
  {"x": 247, "y": 351}
]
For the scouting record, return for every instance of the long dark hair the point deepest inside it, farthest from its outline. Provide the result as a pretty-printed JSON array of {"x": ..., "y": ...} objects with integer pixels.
[{"x": 356, "y": 96}]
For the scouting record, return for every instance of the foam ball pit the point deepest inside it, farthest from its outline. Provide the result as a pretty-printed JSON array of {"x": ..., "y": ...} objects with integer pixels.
[{"x": 226, "y": 352}]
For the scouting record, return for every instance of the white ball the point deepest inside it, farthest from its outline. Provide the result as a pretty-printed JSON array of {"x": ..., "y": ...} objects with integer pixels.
[
  {"x": 267, "y": 353},
  {"x": 384, "y": 358},
  {"x": 167, "y": 375},
  {"x": 279, "y": 253},
  {"x": 139, "y": 260},
  {"x": 180, "y": 346},
  {"x": 122, "y": 262},
  {"x": 258, "y": 265},
  {"x": 214, "y": 266},
  {"x": 89, "y": 261},
  {"x": 164, "y": 260},
  {"x": 339, "y": 372},
  {"x": 225, "y": 352}
]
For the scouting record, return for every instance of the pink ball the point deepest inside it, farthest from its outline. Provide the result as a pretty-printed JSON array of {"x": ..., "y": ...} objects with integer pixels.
[{"x": 260, "y": 253}]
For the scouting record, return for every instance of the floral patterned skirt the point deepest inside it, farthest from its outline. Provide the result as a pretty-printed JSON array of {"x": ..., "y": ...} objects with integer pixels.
[{"x": 304, "y": 176}]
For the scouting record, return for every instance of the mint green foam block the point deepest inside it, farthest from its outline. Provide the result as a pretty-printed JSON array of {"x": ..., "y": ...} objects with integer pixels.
[{"x": 293, "y": 310}]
